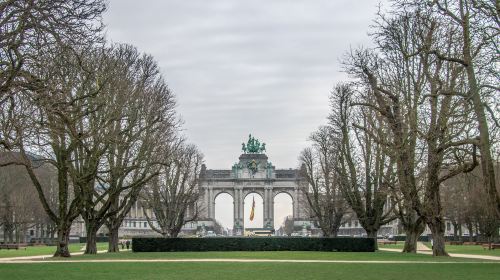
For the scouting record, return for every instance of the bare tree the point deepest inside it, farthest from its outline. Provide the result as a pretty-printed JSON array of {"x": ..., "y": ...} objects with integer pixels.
[
  {"x": 288, "y": 225},
  {"x": 365, "y": 171},
  {"x": 326, "y": 204},
  {"x": 19, "y": 209},
  {"x": 171, "y": 196},
  {"x": 59, "y": 128},
  {"x": 132, "y": 156},
  {"x": 477, "y": 24},
  {"x": 30, "y": 27},
  {"x": 40, "y": 96},
  {"x": 434, "y": 119}
]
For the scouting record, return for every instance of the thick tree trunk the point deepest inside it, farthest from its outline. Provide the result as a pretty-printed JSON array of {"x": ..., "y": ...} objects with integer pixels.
[
  {"x": 413, "y": 232},
  {"x": 455, "y": 229},
  {"x": 470, "y": 228},
  {"x": 372, "y": 233},
  {"x": 63, "y": 243},
  {"x": 336, "y": 223},
  {"x": 113, "y": 240},
  {"x": 460, "y": 233},
  {"x": 91, "y": 244},
  {"x": 487, "y": 166},
  {"x": 438, "y": 243},
  {"x": 17, "y": 234}
]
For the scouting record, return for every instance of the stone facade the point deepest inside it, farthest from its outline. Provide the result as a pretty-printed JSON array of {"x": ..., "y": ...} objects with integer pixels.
[{"x": 253, "y": 173}]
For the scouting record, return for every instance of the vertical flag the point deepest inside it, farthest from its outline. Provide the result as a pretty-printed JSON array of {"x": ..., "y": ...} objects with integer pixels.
[{"x": 252, "y": 212}]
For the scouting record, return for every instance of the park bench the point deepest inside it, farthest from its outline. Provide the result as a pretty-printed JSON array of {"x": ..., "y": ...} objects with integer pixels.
[
  {"x": 491, "y": 246},
  {"x": 15, "y": 246},
  {"x": 385, "y": 242}
]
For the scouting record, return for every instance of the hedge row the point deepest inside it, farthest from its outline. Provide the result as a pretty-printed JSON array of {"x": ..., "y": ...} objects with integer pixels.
[{"x": 340, "y": 244}]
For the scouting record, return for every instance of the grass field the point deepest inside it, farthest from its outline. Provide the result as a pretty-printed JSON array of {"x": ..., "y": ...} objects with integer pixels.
[
  {"x": 45, "y": 250},
  {"x": 457, "y": 249},
  {"x": 222, "y": 271},
  {"x": 418, "y": 267}
]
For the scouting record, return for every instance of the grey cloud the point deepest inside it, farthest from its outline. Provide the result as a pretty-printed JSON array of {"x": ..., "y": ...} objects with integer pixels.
[{"x": 239, "y": 67}]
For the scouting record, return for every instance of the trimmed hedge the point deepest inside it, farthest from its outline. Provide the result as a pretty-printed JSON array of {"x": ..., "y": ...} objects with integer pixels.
[{"x": 340, "y": 244}]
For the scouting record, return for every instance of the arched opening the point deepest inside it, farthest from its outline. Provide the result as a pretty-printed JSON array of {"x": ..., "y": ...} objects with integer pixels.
[
  {"x": 258, "y": 218},
  {"x": 283, "y": 208},
  {"x": 224, "y": 213}
]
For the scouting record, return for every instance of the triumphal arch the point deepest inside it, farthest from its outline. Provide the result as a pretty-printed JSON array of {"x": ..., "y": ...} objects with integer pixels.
[{"x": 253, "y": 173}]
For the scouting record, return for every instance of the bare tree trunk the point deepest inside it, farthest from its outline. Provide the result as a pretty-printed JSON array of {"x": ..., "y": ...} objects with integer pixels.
[
  {"x": 63, "y": 242},
  {"x": 113, "y": 240},
  {"x": 470, "y": 228},
  {"x": 372, "y": 233},
  {"x": 326, "y": 233},
  {"x": 91, "y": 244},
  {"x": 487, "y": 166},
  {"x": 460, "y": 233},
  {"x": 437, "y": 228},
  {"x": 455, "y": 228},
  {"x": 413, "y": 232}
]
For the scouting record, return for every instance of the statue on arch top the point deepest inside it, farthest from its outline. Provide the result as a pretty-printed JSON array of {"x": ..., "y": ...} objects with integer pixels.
[{"x": 253, "y": 146}]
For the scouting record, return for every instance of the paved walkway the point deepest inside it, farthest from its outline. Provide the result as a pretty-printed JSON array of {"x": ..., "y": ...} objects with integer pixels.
[{"x": 43, "y": 257}]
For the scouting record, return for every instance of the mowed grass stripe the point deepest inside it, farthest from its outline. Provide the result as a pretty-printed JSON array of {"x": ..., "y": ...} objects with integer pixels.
[
  {"x": 243, "y": 271},
  {"x": 237, "y": 261}
]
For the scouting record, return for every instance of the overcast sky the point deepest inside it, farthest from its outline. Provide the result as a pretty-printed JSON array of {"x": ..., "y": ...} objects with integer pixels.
[{"x": 240, "y": 67}]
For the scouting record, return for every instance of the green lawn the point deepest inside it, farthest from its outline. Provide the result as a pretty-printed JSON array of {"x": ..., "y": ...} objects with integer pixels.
[
  {"x": 400, "y": 245},
  {"x": 461, "y": 268},
  {"x": 221, "y": 271},
  {"x": 45, "y": 250},
  {"x": 457, "y": 249},
  {"x": 471, "y": 249}
]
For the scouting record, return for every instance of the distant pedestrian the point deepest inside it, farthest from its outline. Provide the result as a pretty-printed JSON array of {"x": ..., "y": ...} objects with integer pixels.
[
  {"x": 123, "y": 245},
  {"x": 128, "y": 244}
]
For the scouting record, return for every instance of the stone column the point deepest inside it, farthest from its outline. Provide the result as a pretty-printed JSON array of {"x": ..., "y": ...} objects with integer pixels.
[
  {"x": 207, "y": 203},
  {"x": 240, "y": 208},
  {"x": 264, "y": 207},
  {"x": 296, "y": 204},
  {"x": 271, "y": 207},
  {"x": 235, "y": 206},
  {"x": 212, "y": 203}
]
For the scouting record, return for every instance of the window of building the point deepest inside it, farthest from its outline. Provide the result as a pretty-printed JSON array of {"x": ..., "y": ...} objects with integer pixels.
[
  {"x": 134, "y": 224},
  {"x": 145, "y": 224},
  {"x": 32, "y": 232},
  {"x": 448, "y": 226}
]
